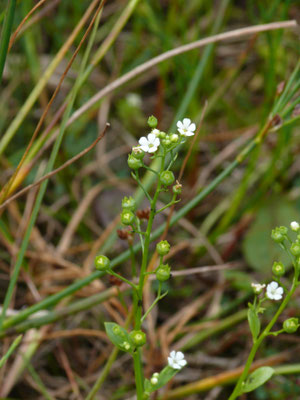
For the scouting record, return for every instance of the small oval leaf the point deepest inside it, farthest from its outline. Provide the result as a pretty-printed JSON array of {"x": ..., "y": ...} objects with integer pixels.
[
  {"x": 258, "y": 378},
  {"x": 119, "y": 337},
  {"x": 254, "y": 323},
  {"x": 164, "y": 377}
]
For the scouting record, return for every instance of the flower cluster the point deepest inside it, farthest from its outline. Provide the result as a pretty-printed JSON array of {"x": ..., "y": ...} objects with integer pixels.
[{"x": 151, "y": 142}]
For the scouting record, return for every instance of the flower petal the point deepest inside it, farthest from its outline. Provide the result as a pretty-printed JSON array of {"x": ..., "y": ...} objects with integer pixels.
[
  {"x": 192, "y": 127},
  {"x": 145, "y": 148},
  {"x": 179, "y": 355},
  {"x": 186, "y": 122},
  {"x": 173, "y": 354},
  {"x": 143, "y": 141},
  {"x": 182, "y": 363},
  {"x": 156, "y": 142},
  {"x": 151, "y": 137},
  {"x": 152, "y": 149},
  {"x": 179, "y": 125}
]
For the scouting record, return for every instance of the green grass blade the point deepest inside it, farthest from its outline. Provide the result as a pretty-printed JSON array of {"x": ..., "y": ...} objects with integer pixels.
[{"x": 5, "y": 36}]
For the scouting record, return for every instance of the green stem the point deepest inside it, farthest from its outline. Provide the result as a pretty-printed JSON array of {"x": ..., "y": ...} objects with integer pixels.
[
  {"x": 138, "y": 374},
  {"x": 110, "y": 271},
  {"x": 139, "y": 305},
  {"x": 9, "y": 352},
  {"x": 103, "y": 374},
  {"x": 5, "y": 36},
  {"x": 238, "y": 388}
]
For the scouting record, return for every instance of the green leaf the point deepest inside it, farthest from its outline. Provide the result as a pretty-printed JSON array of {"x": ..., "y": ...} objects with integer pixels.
[
  {"x": 259, "y": 249},
  {"x": 119, "y": 337},
  {"x": 254, "y": 323},
  {"x": 164, "y": 377},
  {"x": 258, "y": 378}
]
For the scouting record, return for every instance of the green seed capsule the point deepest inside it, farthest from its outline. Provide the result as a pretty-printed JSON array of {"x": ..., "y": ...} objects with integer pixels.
[
  {"x": 127, "y": 217},
  {"x": 163, "y": 247},
  {"x": 152, "y": 122},
  {"x": 163, "y": 272},
  {"x": 138, "y": 338},
  {"x": 279, "y": 234},
  {"x": 177, "y": 189},
  {"x": 102, "y": 263},
  {"x": 295, "y": 249},
  {"x": 133, "y": 162},
  {"x": 278, "y": 269},
  {"x": 167, "y": 178},
  {"x": 128, "y": 203},
  {"x": 291, "y": 325}
]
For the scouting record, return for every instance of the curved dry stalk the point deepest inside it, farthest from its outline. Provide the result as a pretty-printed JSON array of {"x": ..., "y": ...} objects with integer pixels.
[
  {"x": 11, "y": 42},
  {"x": 237, "y": 33},
  {"x": 5, "y": 191},
  {"x": 55, "y": 171}
]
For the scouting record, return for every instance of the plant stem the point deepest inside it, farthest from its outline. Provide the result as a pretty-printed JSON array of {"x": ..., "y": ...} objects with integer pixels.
[
  {"x": 139, "y": 305},
  {"x": 138, "y": 374}
]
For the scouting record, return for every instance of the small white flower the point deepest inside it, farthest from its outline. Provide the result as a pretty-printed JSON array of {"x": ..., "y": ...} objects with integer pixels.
[
  {"x": 150, "y": 143},
  {"x": 186, "y": 127},
  {"x": 176, "y": 360},
  {"x": 274, "y": 291},
  {"x": 257, "y": 287},
  {"x": 295, "y": 226}
]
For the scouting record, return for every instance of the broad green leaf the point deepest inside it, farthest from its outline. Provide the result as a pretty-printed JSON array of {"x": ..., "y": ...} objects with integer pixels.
[
  {"x": 259, "y": 249},
  {"x": 119, "y": 337},
  {"x": 258, "y": 378},
  {"x": 254, "y": 323},
  {"x": 164, "y": 377}
]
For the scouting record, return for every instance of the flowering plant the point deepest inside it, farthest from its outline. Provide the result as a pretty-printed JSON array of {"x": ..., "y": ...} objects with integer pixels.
[
  {"x": 163, "y": 147},
  {"x": 275, "y": 291}
]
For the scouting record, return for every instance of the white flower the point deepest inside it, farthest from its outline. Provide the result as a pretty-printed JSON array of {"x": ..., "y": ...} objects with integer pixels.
[
  {"x": 186, "y": 127},
  {"x": 274, "y": 292},
  {"x": 176, "y": 360},
  {"x": 295, "y": 226},
  {"x": 150, "y": 143},
  {"x": 257, "y": 287}
]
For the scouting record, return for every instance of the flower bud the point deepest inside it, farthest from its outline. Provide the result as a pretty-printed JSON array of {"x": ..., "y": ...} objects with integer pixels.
[
  {"x": 163, "y": 272},
  {"x": 163, "y": 247},
  {"x": 128, "y": 203},
  {"x": 278, "y": 269},
  {"x": 167, "y": 178},
  {"x": 177, "y": 189},
  {"x": 291, "y": 325},
  {"x": 102, "y": 263},
  {"x": 162, "y": 135},
  {"x": 295, "y": 226},
  {"x": 126, "y": 346},
  {"x": 127, "y": 217},
  {"x": 138, "y": 338},
  {"x": 295, "y": 249},
  {"x": 152, "y": 121},
  {"x": 279, "y": 234},
  {"x": 153, "y": 380},
  {"x": 138, "y": 153},
  {"x": 166, "y": 142},
  {"x": 174, "y": 138},
  {"x": 133, "y": 162}
]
